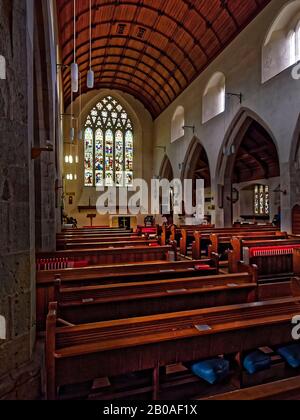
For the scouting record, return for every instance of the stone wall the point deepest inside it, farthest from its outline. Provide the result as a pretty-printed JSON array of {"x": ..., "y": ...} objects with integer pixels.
[
  {"x": 16, "y": 248},
  {"x": 21, "y": 128}
]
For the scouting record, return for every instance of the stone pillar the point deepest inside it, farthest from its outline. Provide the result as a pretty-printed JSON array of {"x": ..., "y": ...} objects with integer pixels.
[
  {"x": 19, "y": 375},
  {"x": 286, "y": 210}
]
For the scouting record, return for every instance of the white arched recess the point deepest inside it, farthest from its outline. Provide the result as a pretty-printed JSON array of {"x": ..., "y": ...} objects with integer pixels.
[
  {"x": 234, "y": 137},
  {"x": 281, "y": 48},
  {"x": 178, "y": 122},
  {"x": 213, "y": 102}
]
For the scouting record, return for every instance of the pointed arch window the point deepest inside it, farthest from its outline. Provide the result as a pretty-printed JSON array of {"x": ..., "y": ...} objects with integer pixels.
[
  {"x": 262, "y": 200},
  {"x": 108, "y": 146}
]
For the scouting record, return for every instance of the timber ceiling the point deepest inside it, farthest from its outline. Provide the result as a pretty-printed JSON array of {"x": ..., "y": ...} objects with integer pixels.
[
  {"x": 151, "y": 49},
  {"x": 257, "y": 157}
]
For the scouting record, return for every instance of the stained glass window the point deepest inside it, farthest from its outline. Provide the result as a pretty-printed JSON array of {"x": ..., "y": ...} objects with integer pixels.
[
  {"x": 262, "y": 200},
  {"x": 109, "y": 145}
]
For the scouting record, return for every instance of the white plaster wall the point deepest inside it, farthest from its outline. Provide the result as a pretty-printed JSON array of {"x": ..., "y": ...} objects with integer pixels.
[{"x": 276, "y": 103}]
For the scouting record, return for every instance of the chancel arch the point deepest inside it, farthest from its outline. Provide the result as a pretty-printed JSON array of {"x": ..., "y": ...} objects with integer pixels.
[{"x": 249, "y": 173}]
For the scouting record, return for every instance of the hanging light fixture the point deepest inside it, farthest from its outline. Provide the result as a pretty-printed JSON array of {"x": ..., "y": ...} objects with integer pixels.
[
  {"x": 90, "y": 75},
  {"x": 74, "y": 65},
  {"x": 80, "y": 135},
  {"x": 72, "y": 129}
]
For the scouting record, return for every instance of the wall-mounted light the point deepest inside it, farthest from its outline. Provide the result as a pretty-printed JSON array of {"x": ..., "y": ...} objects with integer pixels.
[
  {"x": 37, "y": 151},
  {"x": 236, "y": 95},
  {"x": 280, "y": 191},
  {"x": 191, "y": 127}
]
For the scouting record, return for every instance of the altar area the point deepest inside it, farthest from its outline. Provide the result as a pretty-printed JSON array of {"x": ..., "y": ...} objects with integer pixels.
[{"x": 123, "y": 220}]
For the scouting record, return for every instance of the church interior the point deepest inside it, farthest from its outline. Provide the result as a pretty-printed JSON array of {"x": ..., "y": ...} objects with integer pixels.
[{"x": 99, "y": 303}]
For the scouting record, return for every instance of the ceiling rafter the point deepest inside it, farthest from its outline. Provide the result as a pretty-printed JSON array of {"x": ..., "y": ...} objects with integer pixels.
[
  {"x": 164, "y": 47},
  {"x": 108, "y": 69}
]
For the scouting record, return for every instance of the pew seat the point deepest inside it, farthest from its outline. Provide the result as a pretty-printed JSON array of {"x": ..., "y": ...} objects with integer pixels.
[
  {"x": 91, "y": 304},
  {"x": 283, "y": 390},
  {"x": 150, "y": 343},
  {"x": 114, "y": 274}
]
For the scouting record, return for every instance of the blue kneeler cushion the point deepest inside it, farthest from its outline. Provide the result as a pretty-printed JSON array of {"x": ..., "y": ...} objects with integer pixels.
[
  {"x": 291, "y": 354},
  {"x": 211, "y": 371},
  {"x": 256, "y": 362}
]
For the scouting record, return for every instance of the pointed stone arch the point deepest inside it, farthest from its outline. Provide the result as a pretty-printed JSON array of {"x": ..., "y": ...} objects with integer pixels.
[
  {"x": 249, "y": 153},
  {"x": 166, "y": 169},
  {"x": 196, "y": 163}
]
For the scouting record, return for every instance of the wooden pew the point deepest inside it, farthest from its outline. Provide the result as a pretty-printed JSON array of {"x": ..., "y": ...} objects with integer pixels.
[
  {"x": 165, "y": 234},
  {"x": 153, "y": 231},
  {"x": 177, "y": 232},
  {"x": 125, "y": 234},
  {"x": 106, "y": 256},
  {"x": 119, "y": 301},
  {"x": 202, "y": 240},
  {"x": 115, "y": 274},
  {"x": 237, "y": 246},
  {"x": 95, "y": 230},
  {"x": 284, "y": 390},
  {"x": 121, "y": 347},
  {"x": 221, "y": 242},
  {"x": 275, "y": 259},
  {"x": 106, "y": 244},
  {"x": 103, "y": 238}
]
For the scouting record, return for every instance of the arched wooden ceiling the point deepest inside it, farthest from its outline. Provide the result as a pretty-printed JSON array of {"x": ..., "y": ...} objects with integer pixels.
[
  {"x": 152, "y": 49},
  {"x": 257, "y": 156}
]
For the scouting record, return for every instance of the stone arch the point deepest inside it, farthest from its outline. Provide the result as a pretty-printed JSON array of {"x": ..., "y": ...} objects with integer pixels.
[
  {"x": 196, "y": 166},
  {"x": 196, "y": 163},
  {"x": 166, "y": 169},
  {"x": 233, "y": 147}
]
